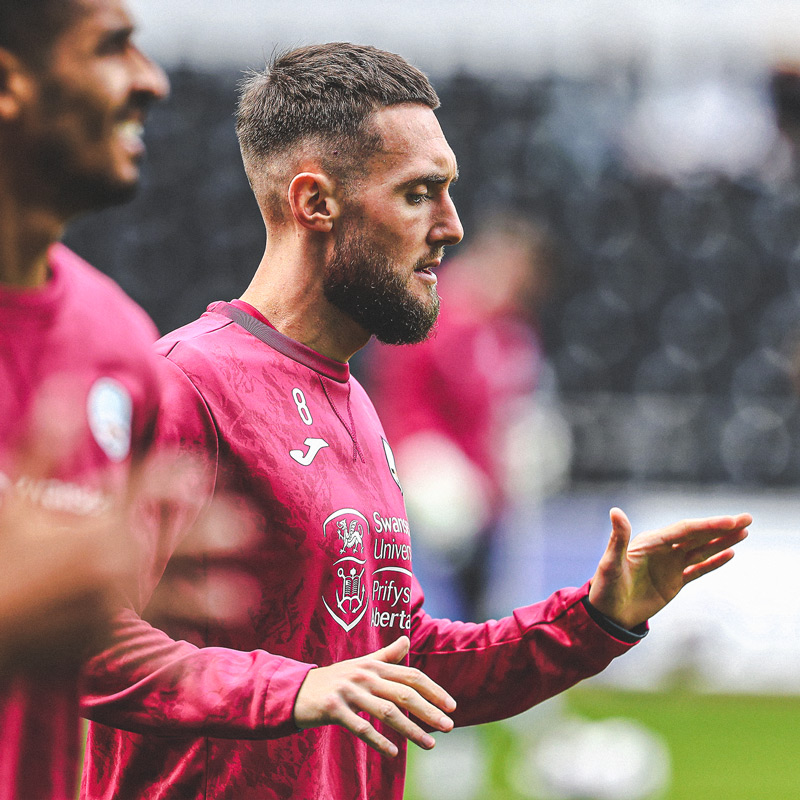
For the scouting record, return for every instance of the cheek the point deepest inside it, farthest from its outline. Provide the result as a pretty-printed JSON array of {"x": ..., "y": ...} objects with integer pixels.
[
  {"x": 78, "y": 120},
  {"x": 96, "y": 101},
  {"x": 404, "y": 230}
]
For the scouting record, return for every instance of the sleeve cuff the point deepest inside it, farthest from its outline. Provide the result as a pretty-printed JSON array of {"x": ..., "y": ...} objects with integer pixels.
[
  {"x": 281, "y": 693},
  {"x": 611, "y": 627}
]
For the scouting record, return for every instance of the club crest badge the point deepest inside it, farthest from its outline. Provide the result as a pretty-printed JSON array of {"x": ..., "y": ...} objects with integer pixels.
[
  {"x": 109, "y": 408},
  {"x": 347, "y": 600},
  {"x": 349, "y": 527}
]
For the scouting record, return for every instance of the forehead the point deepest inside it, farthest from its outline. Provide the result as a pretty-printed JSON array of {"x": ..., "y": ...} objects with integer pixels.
[
  {"x": 413, "y": 143},
  {"x": 90, "y": 19}
]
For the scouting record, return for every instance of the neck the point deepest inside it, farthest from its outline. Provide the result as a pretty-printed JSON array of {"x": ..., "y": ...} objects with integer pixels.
[
  {"x": 288, "y": 290},
  {"x": 26, "y": 233}
]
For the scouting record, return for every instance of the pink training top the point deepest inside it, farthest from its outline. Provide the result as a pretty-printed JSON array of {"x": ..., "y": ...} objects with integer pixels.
[
  {"x": 296, "y": 433},
  {"x": 79, "y": 385}
]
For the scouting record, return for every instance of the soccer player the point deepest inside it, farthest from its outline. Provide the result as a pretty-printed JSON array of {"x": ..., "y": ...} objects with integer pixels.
[
  {"x": 79, "y": 387},
  {"x": 352, "y": 175}
]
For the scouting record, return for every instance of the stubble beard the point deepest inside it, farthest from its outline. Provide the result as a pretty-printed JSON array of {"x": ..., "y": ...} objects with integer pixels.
[{"x": 364, "y": 283}]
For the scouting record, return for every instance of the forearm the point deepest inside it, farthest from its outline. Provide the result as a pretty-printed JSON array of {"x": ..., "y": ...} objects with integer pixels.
[
  {"x": 147, "y": 683},
  {"x": 503, "y": 667}
]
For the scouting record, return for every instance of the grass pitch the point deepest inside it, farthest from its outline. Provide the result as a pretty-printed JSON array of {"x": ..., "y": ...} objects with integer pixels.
[{"x": 721, "y": 747}]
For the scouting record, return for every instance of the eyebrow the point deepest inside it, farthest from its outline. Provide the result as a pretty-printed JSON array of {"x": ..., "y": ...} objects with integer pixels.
[
  {"x": 435, "y": 178},
  {"x": 119, "y": 35}
]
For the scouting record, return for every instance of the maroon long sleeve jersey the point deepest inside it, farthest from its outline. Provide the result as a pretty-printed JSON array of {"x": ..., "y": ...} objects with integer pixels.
[{"x": 212, "y": 718}]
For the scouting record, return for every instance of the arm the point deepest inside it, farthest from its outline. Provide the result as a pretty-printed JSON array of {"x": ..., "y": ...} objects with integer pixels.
[
  {"x": 144, "y": 680},
  {"x": 500, "y": 668},
  {"x": 148, "y": 683}
]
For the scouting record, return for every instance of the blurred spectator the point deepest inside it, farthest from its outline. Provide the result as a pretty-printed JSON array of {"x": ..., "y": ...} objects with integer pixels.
[
  {"x": 785, "y": 88},
  {"x": 453, "y": 406}
]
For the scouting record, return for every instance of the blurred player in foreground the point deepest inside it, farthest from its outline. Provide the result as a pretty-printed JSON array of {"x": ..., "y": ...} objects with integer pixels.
[
  {"x": 352, "y": 175},
  {"x": 79, "y": 387}
]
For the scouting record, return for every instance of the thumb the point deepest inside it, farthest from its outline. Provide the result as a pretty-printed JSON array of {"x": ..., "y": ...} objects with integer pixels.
[
  {"x": 395, "y": 652},
  {"x": 620, "y": 534}
]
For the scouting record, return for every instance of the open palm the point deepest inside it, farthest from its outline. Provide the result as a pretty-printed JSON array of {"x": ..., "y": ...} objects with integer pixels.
[{"x": 636, "y": 578}]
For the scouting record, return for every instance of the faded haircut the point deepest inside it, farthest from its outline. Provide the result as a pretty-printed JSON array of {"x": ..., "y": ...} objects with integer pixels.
[
  {"x": 29, "y": 28},
  {"x": 322, "y": 96}
]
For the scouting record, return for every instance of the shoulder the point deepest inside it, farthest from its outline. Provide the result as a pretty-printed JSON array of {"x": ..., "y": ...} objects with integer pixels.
[
  {"x": 197, "y": 340},
  {"x": 197, "y": 358},
  {"x": 102, "y": 300}
]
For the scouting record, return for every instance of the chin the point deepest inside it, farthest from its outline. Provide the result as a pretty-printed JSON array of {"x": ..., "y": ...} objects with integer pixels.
[{"x": 93, "y": 194}]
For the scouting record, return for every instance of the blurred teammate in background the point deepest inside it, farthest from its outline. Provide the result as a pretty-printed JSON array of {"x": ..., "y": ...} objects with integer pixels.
[
  {"x": 471, "y": 386},
  {"x": 352, "y": 175},
  {"x": 80, "y": 390}
]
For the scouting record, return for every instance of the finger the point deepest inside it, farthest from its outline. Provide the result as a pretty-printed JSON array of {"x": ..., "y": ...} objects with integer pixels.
[
  {"x": 620, "y": 535},
  {"x": 409, "y": 699},
  {"x": 709, "y": 538},
  {"x": 365, "y": 731},
  {"x": 53, "y": 429},
  {"x": 221, "y": 596},
  {"x": 381, "y": 707},
  {"x": 224, "y": 528},
  {"x": 424, "y": 686},
  {"x": 709, "y": 565},
  {"x": 715, "y": 546},
  {"x": 689, "y": 530},
  {"x": 172, "y": 476},
  {"x": 393, "y": 653}
]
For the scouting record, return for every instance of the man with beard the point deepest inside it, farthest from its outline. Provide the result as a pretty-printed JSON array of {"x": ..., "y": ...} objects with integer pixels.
[
  {"x": 352, "y": 174},
  {"x": 79, "y": 386}
]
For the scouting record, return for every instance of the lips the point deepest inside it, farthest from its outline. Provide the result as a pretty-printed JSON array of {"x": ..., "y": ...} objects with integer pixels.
[
  {"x": 424, "y": 272},
  {"x": 428, "y": 266}
]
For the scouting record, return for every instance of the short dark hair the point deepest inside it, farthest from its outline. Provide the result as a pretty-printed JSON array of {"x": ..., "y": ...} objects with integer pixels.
[
  {"x": 28, "y": 28},
  {"x": 325, "y": 93}
]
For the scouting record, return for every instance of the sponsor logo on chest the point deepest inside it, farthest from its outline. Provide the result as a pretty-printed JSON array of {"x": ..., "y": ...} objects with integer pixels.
[{"x": 370, "y": 575}]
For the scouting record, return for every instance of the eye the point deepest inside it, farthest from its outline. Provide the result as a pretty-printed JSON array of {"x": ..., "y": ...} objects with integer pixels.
[
  {"x": 115, "y": 43},
  {"x": 419, "y": 197}
]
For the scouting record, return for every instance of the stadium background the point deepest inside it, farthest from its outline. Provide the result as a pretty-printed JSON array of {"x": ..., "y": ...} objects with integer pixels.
[{"x": 656, "y": 145}]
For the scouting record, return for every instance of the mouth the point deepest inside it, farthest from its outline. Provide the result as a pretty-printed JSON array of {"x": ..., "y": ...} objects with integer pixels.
[
  {"x": 427, "y": 267},
  {"x": 130, "y": 132}
]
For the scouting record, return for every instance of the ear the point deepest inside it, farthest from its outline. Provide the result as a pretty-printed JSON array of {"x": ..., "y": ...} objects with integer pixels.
[
  {"x": 313, "y": 201},
  {"x": 16, "y": 86}
]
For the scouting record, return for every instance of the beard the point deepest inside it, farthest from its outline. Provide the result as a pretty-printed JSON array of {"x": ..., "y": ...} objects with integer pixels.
[
  {"x": 363, "y": 282},
  {"x": 65, "y": 149},
  {"x": 78, "y": 192}
]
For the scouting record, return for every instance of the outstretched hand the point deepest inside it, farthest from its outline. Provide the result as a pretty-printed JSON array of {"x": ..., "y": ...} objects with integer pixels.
[
  {"x": 635, "y": 579},
  {"x": 378, "y": 685},
  {"x": 60, "y": 576}
]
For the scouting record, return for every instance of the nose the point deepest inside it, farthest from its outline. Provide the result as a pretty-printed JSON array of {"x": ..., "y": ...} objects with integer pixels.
[
  {"x": 448, "y": 229},
  {"x": 149, "y": 78}
]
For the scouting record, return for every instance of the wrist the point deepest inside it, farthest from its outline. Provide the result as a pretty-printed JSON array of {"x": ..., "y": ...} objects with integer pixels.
[
  {"x": 624, "y": 633},
  {"x": 615, "y": 612}
]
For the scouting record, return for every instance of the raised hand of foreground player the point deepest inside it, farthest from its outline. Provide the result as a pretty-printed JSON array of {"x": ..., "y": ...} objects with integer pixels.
[
  {"x": 378, "y": 685},
  {"x": 208, "y": 578},
  {"x": 59, "y": 573},
  {"x": 635, "y": 579}
]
